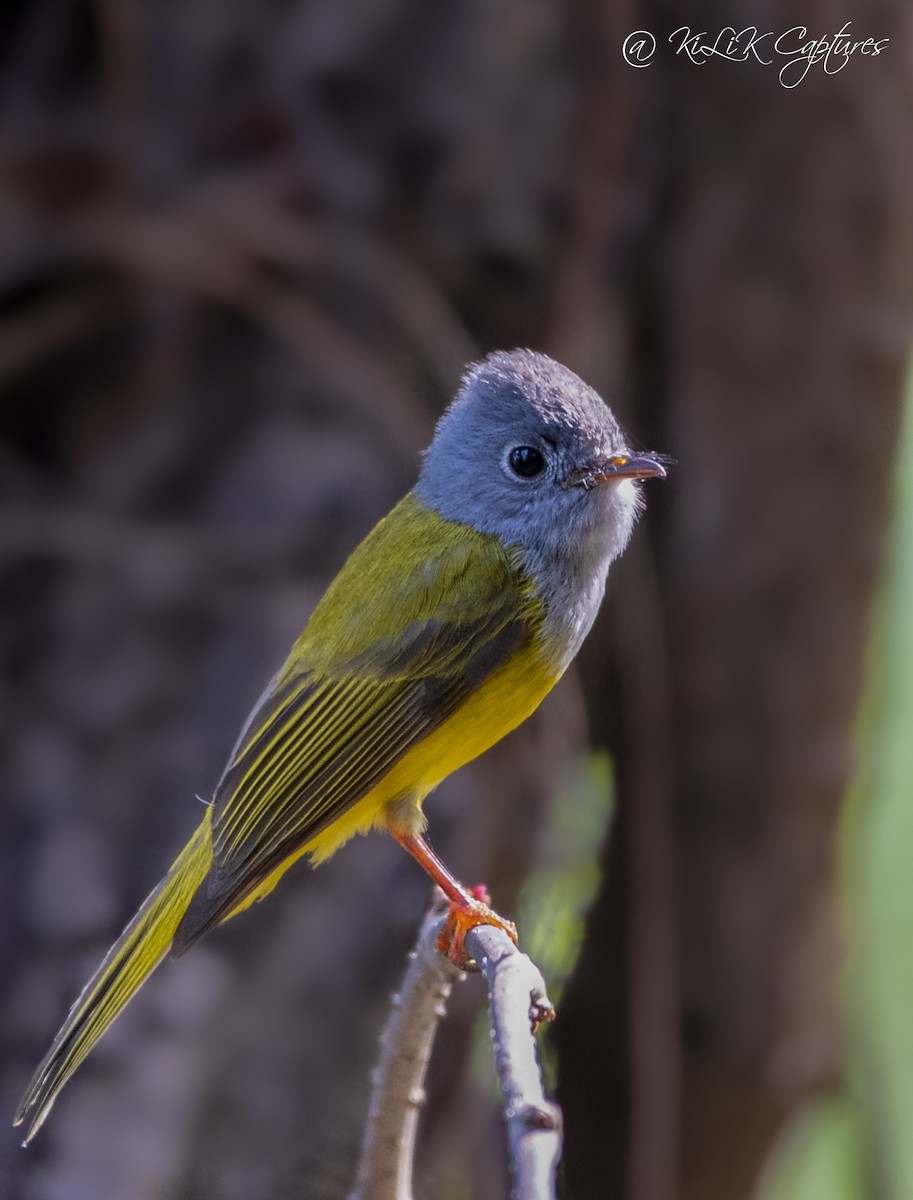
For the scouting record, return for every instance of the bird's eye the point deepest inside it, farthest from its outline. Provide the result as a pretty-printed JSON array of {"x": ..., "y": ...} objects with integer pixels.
[{"x": 526, "y": 461}]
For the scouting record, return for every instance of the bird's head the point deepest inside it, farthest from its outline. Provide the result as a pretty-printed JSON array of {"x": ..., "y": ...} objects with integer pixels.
[{"x": 530, "y": 453}]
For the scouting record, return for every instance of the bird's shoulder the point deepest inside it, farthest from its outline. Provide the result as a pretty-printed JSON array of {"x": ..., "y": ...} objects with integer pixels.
[{"x": 416, "y": 579}]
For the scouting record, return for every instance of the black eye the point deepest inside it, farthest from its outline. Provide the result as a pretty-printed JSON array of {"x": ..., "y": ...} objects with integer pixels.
[{"x": 526, "y": 461}]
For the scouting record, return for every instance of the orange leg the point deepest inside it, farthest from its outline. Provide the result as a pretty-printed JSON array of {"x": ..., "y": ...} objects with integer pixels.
[{"x": 467, "y": 908}]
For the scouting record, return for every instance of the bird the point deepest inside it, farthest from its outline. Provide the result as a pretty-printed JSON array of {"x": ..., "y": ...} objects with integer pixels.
[{"x": 442, "y": 632}]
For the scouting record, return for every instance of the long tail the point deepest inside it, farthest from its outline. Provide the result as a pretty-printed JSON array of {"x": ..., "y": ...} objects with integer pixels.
[{"x": 129, "y": 962}]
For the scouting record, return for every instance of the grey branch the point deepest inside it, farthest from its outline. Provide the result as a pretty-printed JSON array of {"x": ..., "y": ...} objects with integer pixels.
[
  {"x": 518, "y": 1004},
  {"x": 385, "y": 1166}
]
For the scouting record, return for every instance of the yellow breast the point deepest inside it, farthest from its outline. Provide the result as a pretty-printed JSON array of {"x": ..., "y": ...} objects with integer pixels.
[{"x": 502, "y": 703}]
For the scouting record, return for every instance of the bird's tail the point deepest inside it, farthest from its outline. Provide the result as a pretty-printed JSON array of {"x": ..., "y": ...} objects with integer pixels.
[{"x": 129, "y": 962}]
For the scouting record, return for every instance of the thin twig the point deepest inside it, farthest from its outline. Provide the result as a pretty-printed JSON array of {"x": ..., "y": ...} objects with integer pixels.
[
  {"x": 178, "y": 248},
  {"x": 30, "y": 337},
  {"x": 519, "y": 1004},
  {"x": 251, "y": 217},
  {"x": 183, "y": 549},
  {"x": 385, "y": 1167}
]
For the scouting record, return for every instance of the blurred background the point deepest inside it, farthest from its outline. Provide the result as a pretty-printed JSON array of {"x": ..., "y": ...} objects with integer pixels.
[{"x": 245, "y": 252}]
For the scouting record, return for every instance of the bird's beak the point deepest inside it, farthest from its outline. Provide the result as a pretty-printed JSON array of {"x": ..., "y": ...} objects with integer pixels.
[{"x": 620, "y": 466}]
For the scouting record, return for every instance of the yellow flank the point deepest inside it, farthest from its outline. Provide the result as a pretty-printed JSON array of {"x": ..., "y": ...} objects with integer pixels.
[{"x": 502, "y": 703}]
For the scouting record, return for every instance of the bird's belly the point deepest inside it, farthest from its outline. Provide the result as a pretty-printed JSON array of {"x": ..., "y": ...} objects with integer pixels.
[{"x": 502, "y": 703}]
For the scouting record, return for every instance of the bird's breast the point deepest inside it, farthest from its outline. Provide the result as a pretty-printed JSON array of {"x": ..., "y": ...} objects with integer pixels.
[
  {"x": 500, "y": 704},
  {"x": 504, "y": 701}
]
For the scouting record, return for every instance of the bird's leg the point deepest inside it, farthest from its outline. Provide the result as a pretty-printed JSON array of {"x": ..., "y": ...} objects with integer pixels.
[{"x": 468, "y": 908}]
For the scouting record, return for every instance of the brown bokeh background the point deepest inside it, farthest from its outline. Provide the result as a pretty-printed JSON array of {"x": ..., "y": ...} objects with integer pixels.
[{"x": 245, "y": 252}]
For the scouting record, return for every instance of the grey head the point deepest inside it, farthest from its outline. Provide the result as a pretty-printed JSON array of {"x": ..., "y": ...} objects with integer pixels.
[{"x": 530, "y": 453}]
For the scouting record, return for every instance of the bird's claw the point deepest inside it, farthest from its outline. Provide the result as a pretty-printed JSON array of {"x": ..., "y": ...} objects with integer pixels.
[{"x": 464, "y": 916}]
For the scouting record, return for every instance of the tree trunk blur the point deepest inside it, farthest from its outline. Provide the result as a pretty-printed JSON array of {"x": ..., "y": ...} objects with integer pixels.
[
  {"x": 245, "y": 251},
  {"x": 768, "y": 305}
]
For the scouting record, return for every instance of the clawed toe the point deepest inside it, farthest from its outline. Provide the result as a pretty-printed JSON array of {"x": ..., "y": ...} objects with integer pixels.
[{"x": 465, "y": 915}]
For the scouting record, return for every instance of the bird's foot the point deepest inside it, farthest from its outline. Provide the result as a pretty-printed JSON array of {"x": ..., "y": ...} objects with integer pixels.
[{"x": 465, "y": 914}]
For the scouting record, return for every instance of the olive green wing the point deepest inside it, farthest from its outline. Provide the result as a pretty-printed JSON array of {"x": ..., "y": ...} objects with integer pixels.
[{"x": 418, "y": 617}]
